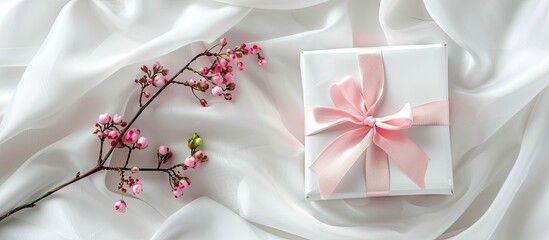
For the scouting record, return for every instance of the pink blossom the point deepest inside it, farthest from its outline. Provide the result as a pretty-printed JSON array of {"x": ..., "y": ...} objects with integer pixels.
[
  {"x": 223, "y": 62},
  {"x": 163, "y": 150},
  {"x": 137, "y": 188},
  {"x": 160, "y": 81},
  {"x": 217, "y": 79},
  {"x": 177, "y": 192},
  {"x": 120, "y": 206},
  {"x": 104, "y": 118},
  {"x": 190, "y": 161},
  {"x": 117, "y": 118},
  {"x": 232, "y": 56},
  {"x": 132, "y": 135},
  {"x": 229, "y": 77},
  {"x": 217, "y": 91},
  {"x": 217, "y": 68},
  {"x": 144, "y": 68},
  {"x": 231, "y": 86},
  {"x": 119, "y": 145},
  {"x": 183, "y": 183},
  {"x": 199, "y": 154},
  {"x": 262, "y": 62},
  {"x": 204, "y": 70},
  {"x": 191, "y": 82},
  {"x": 223, "y": 41},
  {"x": 202, "y": 82},
  {"x": 99, "y": 134},
  {"x": 142, "y": 143},
  {"x": 113, "y": 134},
  {"x": 254, "y": 49},
  {"x": 135, "y": 169},
  {"x": 240, "y": 65}
]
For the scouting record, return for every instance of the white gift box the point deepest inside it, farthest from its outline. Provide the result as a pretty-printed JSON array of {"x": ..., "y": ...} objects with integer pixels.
[{"x": 413, "y": 74}]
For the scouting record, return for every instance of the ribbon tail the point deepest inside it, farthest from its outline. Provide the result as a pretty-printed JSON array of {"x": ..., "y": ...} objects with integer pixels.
[
  {"x": 376, "y": 172},
  {"x": 338, "y": 157},
  {"x": 406, "y": 154}
]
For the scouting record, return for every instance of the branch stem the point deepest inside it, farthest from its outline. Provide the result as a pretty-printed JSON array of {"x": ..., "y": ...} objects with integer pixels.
[{"x": 101, "y": 161}]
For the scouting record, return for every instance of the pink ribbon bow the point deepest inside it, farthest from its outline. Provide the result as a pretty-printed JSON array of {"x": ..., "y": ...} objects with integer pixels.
[{"x": 358, "y": 108}]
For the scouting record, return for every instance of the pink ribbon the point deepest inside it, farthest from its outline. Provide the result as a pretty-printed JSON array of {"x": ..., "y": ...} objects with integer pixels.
[{"x": 358, "y": 108}]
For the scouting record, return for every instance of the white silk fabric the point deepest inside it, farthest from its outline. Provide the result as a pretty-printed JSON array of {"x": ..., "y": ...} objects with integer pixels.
[{"x": 62, "y": 63}]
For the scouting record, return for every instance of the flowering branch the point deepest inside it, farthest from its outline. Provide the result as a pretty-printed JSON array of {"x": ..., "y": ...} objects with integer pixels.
[{"x": 219, "y": 75}]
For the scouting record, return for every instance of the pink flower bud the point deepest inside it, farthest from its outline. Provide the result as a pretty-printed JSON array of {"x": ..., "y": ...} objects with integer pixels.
[
  {"x": 160, "y": 81},
  {"x": 163, "y": 150},
  {"x": 183, "y": 183},
  {"x": 120, "y": 206},
  {"x": 230, "y": 69},
  {"x": 99, "y": 134},
  {"x": 232, "y": 56},
  {"x": 104, "y": 118},
  {"x": 113, "y": 134},
  {"x": 223, "y": 41},
  {"x": 135, "y": 169},
  {"x": 229, "y": 77},
  {"x": 191, "y": 82},
  {"x": 149, "y": 81},
  {"x": 177, "y": 192},
  {"x": 137, "y": 188},
  {"x": 199, "y": 154},
  {"x": 117, "y": 118},
  {"x": 202, "y": 82},
  {"x": 190, "y": 161},
  {"x": 119, "y": 145},
  {"x": 231, "y": 86},
  {"x": 243, "y": 45},
  {"x": 229, "y": 51},
  {"x": 131, "y": 135},
  {"x": 165, "y": 72},
  {"x": 240, "y": 66},
  {"x": 142, "y": 143},
  {"x": 146, "y": 94},
  {"x": 262, "y": 62},
  {"x": 223, "y": 62},
  {"x": 254, "y": 49},
  {"x": 217, "y": 91},
  {"x": 144, "y": 68},
  {"x": 198, "y": 164},
  {"x": 217, "y": 79},
  {"x": 204, "y": 70},
  {"x": 203, "y": 102},
  {"x": 217, "y": 68},
  {"x": 228, "y": 96}
]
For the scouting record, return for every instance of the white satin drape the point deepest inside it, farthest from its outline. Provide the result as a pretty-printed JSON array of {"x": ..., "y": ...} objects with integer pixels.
[{"x": 62, "y": 63}]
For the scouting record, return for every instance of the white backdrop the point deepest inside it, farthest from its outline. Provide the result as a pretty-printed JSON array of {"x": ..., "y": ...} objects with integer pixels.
[{"x": 62, "y": 63}]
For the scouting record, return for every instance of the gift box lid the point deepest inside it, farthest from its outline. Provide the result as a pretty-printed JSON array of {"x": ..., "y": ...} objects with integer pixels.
[{"x": 413, "y": 74}]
